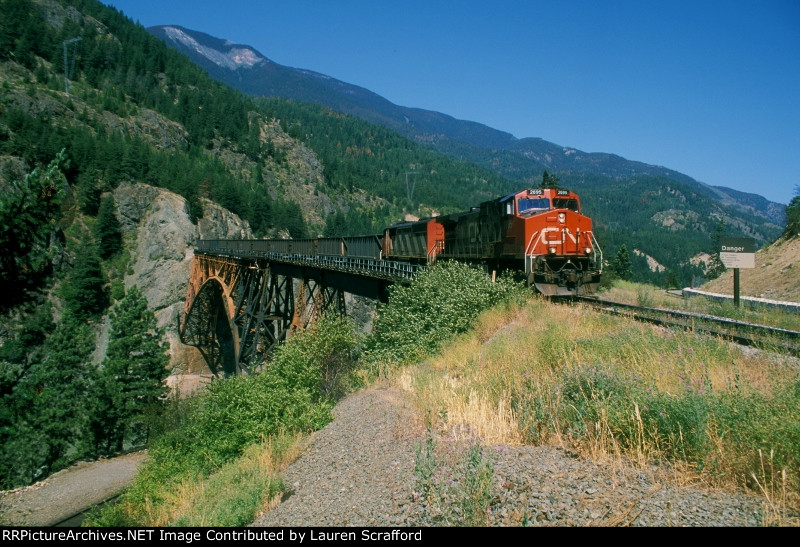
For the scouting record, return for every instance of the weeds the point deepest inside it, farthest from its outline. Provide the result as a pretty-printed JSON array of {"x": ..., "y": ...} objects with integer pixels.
[
  {"x": 773, "y": 485},
  {"x": 206, "y": 443},
  {"x": 233, "y": 496},
  {"x": 453, "y": 483}
]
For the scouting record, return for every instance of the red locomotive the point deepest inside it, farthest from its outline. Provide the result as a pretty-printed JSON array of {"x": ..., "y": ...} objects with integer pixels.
[{"x": 540, "y": 231}]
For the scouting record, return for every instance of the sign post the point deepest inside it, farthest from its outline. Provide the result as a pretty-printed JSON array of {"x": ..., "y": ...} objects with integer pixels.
[{"x": 737, "y": 252}]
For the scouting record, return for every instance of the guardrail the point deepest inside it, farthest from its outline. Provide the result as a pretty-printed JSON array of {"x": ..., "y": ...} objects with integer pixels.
[
  {"x": 751, "y": 302},
  {"x": 382, "y": 269}
]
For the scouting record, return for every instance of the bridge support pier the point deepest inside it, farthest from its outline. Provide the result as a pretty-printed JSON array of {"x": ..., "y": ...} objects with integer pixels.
[{"x": 313, "y": 299}]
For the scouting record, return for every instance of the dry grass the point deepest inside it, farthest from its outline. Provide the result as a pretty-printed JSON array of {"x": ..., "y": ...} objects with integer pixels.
[
  {"x": 780, "y": 503},
  {"x": 522, "y": 356},
  {"x": 194, "y": 500}
]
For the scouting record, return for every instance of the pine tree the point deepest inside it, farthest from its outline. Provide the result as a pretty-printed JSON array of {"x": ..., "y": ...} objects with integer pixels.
[
  {"x": 84, "y": 291},
  {"x": 671, "y": 281},
  {"x": 28, "y": 210},
  {"x": 715, "y": 267},
  {"x": 621, "y": 265},
  {"x": 549, "y": 181},
  {"x": 133, "y": 374},
  {"x": 87, "y": 193},
  {"x": 61, "y": 383},
  {"x": 793, "y": 216},
  {"x": 43, "y": 423},
  {"x": 108, "y": 232}
]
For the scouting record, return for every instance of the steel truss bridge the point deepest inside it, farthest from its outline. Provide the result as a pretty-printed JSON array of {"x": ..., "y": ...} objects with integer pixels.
[{"x": 241, "y": 303}]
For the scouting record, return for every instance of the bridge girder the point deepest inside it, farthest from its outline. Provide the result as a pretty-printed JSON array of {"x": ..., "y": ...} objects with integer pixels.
[{"x": 238, "y": 310}]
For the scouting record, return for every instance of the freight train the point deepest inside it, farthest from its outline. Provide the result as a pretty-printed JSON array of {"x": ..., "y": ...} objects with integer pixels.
[{"x": 539, "y": 232}]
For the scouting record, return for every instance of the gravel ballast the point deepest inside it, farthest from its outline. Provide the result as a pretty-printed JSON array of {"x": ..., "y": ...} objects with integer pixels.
[{"x": 359, "y": 471}]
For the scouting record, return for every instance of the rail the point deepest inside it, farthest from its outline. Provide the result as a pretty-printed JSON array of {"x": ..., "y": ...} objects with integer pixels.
[
  {"x": 598, "y": 253},
  {"x": 434, "y": 251},
  {"x": 749, "y": 334},
  {"x": 529, "y": 258}
]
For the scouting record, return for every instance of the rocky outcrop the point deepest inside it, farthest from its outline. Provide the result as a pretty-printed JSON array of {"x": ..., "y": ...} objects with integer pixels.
[{"x": 158, "y": 223}]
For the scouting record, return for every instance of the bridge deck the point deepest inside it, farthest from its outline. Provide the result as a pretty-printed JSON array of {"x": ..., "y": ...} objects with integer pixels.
[{"x": 365, "y": 267}]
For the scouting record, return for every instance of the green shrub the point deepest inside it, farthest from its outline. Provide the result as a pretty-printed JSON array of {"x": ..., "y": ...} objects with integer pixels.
[
  {"x": 441, "y": 302},
  {"x": 292, "y": 393}
]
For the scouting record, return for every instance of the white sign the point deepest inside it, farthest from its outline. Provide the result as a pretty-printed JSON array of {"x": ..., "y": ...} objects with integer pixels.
[
  {"x": 738, "y": 260},
  {"x": 738, "y": 252}
]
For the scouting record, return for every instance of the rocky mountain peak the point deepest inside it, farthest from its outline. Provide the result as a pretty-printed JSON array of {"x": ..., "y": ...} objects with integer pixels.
[{"x": 223, "y": 53}]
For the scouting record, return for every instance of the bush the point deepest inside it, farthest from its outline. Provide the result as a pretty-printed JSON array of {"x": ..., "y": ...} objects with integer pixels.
[
  {"x": 292, "y": 393},
  {"x": 441, "y": 302}
]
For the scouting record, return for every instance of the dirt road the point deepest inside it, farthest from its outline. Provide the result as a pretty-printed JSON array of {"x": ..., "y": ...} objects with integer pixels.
[{"x": 68, "y": 492}]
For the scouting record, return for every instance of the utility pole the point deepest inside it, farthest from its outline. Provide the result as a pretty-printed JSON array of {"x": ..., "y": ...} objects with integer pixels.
[
  {"x": 69, "y": 70},
  {"x": 410, "y": 191}
]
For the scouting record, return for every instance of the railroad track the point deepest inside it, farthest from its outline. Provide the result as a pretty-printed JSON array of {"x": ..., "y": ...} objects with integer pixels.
[{"x": 748, "y": 334}]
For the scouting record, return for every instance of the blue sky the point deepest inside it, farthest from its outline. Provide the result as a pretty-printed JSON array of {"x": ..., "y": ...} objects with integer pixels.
[{"x": 708, "y": 88}]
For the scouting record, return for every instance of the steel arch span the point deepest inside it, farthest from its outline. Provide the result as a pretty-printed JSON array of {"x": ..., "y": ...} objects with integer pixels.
[{"x": 238, "y": 309}]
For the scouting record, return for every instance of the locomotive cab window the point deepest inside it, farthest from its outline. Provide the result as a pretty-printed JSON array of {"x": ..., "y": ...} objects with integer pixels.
[
  {"x": 564, "y": 203},
  {"x": 531, "y": 205}
]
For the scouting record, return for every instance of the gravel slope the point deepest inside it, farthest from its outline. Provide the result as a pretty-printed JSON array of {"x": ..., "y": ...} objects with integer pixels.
[{"x": 359, "y": 471}]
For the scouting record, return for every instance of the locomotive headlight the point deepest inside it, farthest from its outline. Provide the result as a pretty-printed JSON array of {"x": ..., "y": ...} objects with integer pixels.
[
  {"x": 562, "y": 218},
  {"x": 552, "y": 250},
  {"x": 587, "y": 250}
]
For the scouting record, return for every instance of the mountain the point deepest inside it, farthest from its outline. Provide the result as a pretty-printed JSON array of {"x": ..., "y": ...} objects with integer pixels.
[{"x": 245, "y": 69}]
